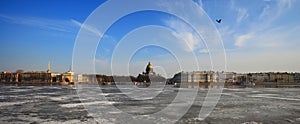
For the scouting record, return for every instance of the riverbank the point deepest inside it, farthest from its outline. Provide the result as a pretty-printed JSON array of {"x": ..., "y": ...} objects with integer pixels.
[{"x": 188, "y": 85}]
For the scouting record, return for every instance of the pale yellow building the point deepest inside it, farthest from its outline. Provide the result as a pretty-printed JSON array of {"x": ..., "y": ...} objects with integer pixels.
[{"x": 68, "y": 77}]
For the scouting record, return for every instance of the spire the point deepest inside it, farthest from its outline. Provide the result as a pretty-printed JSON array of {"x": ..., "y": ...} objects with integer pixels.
[{"x": 48, "y": 70}]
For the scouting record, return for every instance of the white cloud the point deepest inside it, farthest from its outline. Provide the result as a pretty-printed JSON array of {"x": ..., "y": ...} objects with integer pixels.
[
  {"x": 87, "y": 27},
  {"x": 226, "y": 30},
  {"x": 273, "y": 9},
  {"x": 204, "y": 51},
  {"x": 198, "y": 2},
  {"x": 240, "y": 40},
  {"x": 242, "y": 14},
  {"x": 42, "y": 23},
  {"x": 273, "y": 49},
  {"x": 284, "y": 37},
  {"x": 49, "y": 24},
  {"x": 265, "y": 12},
  {"x": 285, "y": 3},
  {"x": 281, "y": 37},
  {"x": 188, "y": 38},
  {"x": 261, "y": 33},
  {"x": 264, "y": 41}
]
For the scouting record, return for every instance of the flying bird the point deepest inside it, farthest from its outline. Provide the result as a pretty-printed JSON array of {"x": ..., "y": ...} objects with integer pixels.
[{"x": 219, "y": 21}]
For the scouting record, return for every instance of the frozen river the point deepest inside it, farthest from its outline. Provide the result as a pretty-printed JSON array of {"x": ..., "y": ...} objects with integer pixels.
[{"x": 62, "y": 104}]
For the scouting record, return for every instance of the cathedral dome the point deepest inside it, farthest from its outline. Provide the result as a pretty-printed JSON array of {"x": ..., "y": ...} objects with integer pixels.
[
  {"x": 149, "y": 68},
  {"x": 149, "y": 65}
]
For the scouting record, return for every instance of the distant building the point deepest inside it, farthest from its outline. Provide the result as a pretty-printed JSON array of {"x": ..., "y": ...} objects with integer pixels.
[
  {"x": 243, "y": 78},
  {"x": 9, "y": 77},
  {"x": 260, "y": 77},
  {"x": 195, "y": 77},
  {"x": 230, "y": 77},
  {"x": 280, "y": 77},
  {"x": 296, "y": 77},
  {"x": 56, "y": 77},
  {"x": 36, "y": 77},
  {"x": 145, "y": 78},
  {"x": 68, "y": 77},
  {"x": 200, "y": 77},
  {"x": 149, "y": 76}
]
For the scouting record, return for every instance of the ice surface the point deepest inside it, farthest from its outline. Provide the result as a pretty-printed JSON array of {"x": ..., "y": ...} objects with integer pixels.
[{"x": 55, "y": 104}]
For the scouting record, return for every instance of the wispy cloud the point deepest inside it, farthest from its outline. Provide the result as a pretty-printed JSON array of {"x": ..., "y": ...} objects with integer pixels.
[
  {"x": 240, "y": 40},
  {"x": 285, "y": 3},
  {"x": 188, "y": 38},
  {"x": 50, "y": 24},
  {"x": 265, "y": 12},
  {"x": 87, "y": 27},
  {"x": 283, "y": 37},
  {"x": 198, "y": 2},
  {"x": 242, "y": 14},
  {"x": 204, "y": 51},
  {"x": 42, "y": 23},
  {"x": 260, "y": 25},
  {"x": 273, "y": 9},
  {"x": 261, "y": 42}
]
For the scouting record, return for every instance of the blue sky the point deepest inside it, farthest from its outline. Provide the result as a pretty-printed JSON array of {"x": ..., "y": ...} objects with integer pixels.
[
  {"x": 34, "y": 32},
  {"x": 258, "y": 35}
]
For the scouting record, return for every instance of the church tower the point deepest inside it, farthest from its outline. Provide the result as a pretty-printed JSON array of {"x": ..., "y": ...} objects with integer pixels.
[{"x": 48, "y": 70}]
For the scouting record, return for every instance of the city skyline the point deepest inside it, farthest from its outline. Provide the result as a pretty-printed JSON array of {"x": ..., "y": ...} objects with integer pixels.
[{"x": 258, "y": 36}]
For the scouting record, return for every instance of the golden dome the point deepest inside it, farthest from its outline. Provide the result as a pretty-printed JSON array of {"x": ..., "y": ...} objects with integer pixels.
[
  {"x": 149, "y": 68},
  {"x": 149, "y": 65}
]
